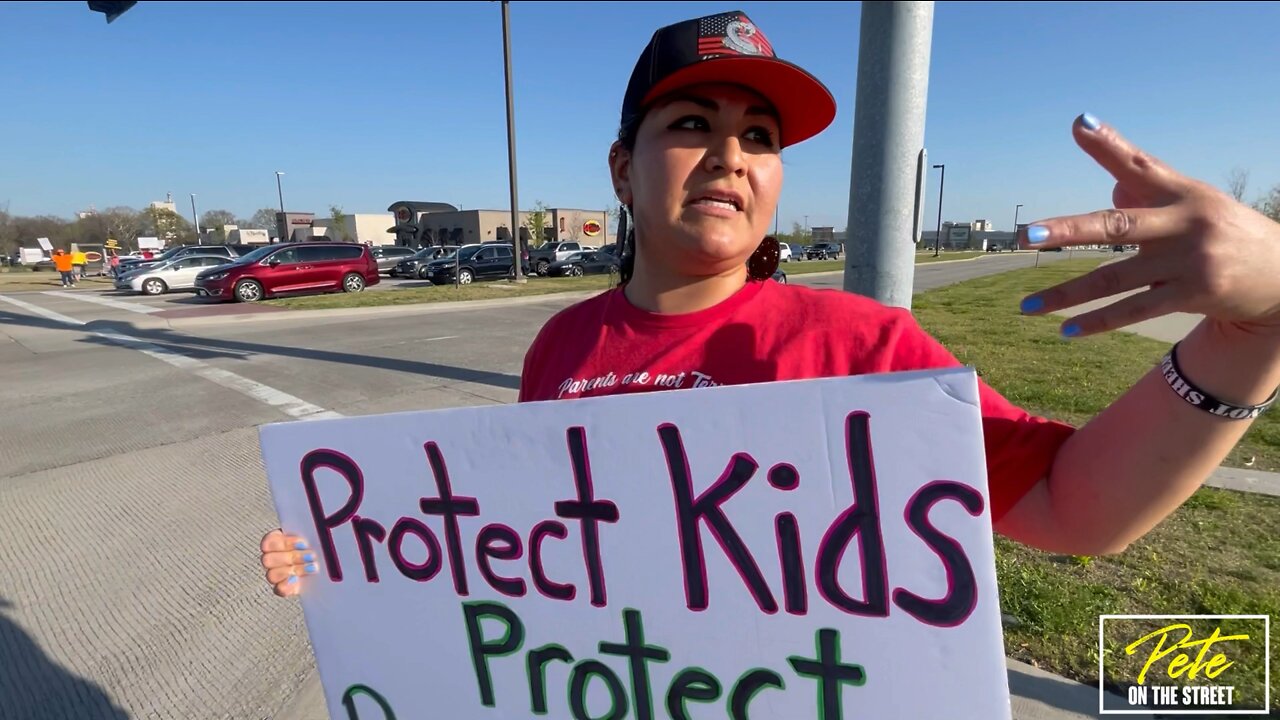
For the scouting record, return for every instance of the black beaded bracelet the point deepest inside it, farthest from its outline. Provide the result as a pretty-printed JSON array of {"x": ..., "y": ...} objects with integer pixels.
[{"x": 1198, "y": 398}]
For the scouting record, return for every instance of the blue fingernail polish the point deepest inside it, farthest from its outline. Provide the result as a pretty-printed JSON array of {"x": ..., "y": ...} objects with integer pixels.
[
  {"x": 300, "y": 545},
  {"x": 309, "y": 557},
  {"x": 311, "y": 569},
  {"x": 1071, "y": 330},
  {"x": 293, "y": 579},
  {"x": 1032, "y": 304},
  {"x": 1089, "y": 122},
  {"x": 1037, "y": 234}
]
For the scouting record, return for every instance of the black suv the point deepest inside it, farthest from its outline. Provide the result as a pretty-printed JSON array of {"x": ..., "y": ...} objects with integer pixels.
[
  {"x": 823, "y": 251},
  {"x": 415, "y": 266},
  {"x": 472, "y": 262}
]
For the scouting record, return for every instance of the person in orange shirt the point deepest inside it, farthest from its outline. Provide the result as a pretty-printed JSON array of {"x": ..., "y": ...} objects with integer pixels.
[{"x": 62, "y": 261}]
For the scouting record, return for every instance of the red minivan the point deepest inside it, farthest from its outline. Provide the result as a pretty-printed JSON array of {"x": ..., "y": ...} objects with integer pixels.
[{"x": 291, "y": 268}]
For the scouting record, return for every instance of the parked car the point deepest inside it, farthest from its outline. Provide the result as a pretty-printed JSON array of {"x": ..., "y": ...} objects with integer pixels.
[
  {"x": 177, "y": 274},
  {"x": 291, "y": 268},
  {"x": 388, "y": 256},
  {"x": 780, "y": 276},
  {"x": 473, "y": 262},
  {"x": 541, "y": 257},
  {"x": 584, "y": 263},
  {"x": 230, "y": 252},
  {"x": 415, "y": 266},
  {"x": 784, "y": 252},
  {"x": 824, "y": 251}
]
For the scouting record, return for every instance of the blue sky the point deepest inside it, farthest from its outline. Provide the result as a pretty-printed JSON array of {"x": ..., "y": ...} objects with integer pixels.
[{"x": 365, "y": 103}]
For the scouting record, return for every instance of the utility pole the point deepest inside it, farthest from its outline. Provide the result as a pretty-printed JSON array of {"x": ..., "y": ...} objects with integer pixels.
[
  {"x": 1014, "y": 244},
  {"x": 885, "y": 189},
  {"x": 283, "y": 227},
  {"x": 937, "y": 239},
  {"x": 518, "y": 271},
  {"x": 195, "y": 220}
]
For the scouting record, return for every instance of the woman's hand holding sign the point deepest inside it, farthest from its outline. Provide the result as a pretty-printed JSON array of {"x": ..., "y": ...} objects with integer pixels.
[
  {"x": 285, "y": 558},
  {"x": 1199, "y": 251}
]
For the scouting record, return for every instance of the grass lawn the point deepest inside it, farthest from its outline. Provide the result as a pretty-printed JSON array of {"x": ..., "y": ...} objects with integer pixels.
[
  {"x": 22, "y": 280},
  {"x": 1026, "y": 360},
  {"x": 1217, "y": 555}
]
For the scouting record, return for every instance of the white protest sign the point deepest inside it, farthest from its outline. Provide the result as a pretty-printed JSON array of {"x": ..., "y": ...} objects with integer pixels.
[
  {"x": 150, "y": 243},
  {"x": 785, "y": 551},
  {"x": 45, "y": 244}
]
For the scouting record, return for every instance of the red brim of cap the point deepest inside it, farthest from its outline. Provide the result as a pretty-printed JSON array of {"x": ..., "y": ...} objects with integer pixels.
[{"x": 805, "y": 106}]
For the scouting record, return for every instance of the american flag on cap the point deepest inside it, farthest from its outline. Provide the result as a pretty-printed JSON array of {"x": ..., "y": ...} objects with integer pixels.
[{"x": 731, "y": 34}]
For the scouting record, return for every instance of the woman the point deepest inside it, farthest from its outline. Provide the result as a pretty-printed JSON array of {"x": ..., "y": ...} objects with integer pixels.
[{"x": 697, "y": 166}]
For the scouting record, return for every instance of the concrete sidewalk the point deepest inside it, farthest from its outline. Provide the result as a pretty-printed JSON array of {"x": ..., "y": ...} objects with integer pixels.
[{"x": 1169, "y": 328}]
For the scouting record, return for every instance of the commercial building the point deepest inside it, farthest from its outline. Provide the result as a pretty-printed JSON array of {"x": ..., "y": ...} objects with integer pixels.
[
  {"x": 425, "y": 223},
  {"x": 294, "y": 226},
  {"x": 977, "y": 235},
  {"x": 822, "y": 234},
  {"x": 366, "y": 228}
]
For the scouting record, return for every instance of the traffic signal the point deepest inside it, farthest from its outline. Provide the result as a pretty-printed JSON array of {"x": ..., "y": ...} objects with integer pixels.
[{"x": 111, "y": 8}]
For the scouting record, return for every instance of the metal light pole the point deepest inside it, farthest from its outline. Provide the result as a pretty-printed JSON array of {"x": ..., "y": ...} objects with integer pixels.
[
  {"x": 1014, "y": 245},
  {"x": 518, "y": 271},
  {"x": 283, "y": 228},
  {"x": 195, "y": 220},
  {"x": 937, "y": 239},
  {"x": 888, "y": 171}
]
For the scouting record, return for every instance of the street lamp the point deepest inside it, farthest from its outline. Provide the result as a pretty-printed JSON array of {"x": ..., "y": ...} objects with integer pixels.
[
  {"x": 937, "y": 239},
  {"x": 280, "y": 228},
  {"x": 195, "y": 220},
  {"x": 517, "y": 269},
  {"x": 1014, "y": 244}
]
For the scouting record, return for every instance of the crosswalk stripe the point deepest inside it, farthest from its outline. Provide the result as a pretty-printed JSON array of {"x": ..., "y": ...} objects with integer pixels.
[
  {"x": 290, "y": 405},
  {"x": 104, "y": 301}
]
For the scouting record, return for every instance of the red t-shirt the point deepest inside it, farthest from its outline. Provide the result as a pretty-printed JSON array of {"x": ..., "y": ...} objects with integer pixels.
[{"x": 766, "y": 332}]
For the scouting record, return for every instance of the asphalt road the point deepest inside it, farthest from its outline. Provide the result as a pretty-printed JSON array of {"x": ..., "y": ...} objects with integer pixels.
[{"x": 132, "y": 495}]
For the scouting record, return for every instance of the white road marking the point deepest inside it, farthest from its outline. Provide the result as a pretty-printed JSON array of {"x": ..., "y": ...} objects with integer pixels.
[
  {"x": 47, "y": 314},
  {"x": 422, "y": 340},
  {"x": 104, "y": 301},
  {"x": 290, "y": 405}
]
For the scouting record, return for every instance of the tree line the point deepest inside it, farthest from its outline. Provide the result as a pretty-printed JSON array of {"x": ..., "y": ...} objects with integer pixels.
[
  {"x": 123, "y": 224},
  {"x": 1238, "y": 186}
]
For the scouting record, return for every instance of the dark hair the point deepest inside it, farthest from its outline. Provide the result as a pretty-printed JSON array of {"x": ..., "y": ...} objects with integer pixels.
[{"x": 628, "y": 131}]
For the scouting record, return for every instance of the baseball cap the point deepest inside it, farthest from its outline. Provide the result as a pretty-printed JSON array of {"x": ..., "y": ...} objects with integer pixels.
[{"x": 729, "y": 48}]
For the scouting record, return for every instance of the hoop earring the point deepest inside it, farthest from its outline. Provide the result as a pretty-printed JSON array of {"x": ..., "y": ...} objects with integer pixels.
[{"x": 764, "y": 261}]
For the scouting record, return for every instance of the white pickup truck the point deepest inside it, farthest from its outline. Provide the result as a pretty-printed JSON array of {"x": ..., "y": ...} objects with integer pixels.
[{"x": 544, "y": 255}]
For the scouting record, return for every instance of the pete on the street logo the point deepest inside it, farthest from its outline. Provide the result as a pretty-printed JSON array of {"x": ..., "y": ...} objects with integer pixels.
[{"x": 1184, "y": 664}]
